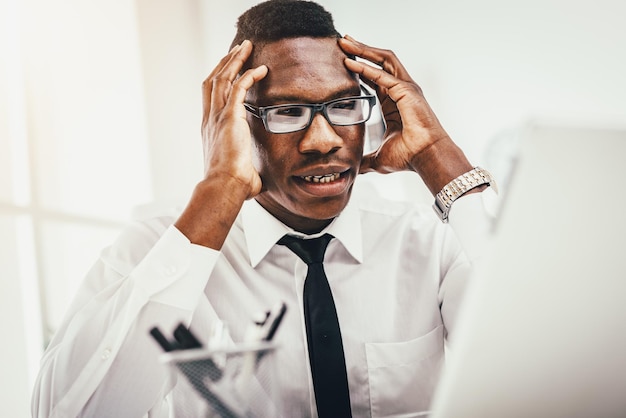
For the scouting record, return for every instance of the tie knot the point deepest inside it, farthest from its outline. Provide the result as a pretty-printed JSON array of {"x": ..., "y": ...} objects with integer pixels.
[{"x": 311, "y": 251}]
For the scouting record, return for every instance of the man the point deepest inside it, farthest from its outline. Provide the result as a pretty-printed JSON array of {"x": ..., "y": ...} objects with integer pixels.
[{"x": 283, "y": 133}]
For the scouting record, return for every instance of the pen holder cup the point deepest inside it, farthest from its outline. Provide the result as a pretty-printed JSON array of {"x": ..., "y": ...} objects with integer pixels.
[{"x": 228, "y": 383}]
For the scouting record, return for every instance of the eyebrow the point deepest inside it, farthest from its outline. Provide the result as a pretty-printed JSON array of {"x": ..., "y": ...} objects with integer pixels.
[{"x": 293, "y": 99}]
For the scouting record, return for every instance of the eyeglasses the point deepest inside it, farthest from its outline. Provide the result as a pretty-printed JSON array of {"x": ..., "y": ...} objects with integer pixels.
[{"x": 286, "y": 118}]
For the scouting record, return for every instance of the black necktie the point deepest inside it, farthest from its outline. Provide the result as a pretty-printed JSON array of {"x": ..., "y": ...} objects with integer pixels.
[{"x": 328, "y": 365}]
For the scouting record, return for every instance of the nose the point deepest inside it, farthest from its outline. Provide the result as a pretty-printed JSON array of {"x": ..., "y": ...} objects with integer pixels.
[{"x": 320, "y": 137}]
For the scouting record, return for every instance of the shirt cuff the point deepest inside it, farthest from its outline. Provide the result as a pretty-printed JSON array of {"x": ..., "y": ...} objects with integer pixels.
[
  {"x": 175, "y": 271},
  {"x": 472, "y": 218}
]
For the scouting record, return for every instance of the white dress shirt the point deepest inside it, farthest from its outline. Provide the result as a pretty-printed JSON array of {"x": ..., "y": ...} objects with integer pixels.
[{"x": 396, "y": 272}]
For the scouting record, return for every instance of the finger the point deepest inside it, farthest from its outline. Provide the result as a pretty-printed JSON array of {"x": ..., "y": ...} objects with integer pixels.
[
  {"x": 378, "y": 76},
  {"x": 225, "y": 59},
  {"x": 243, "y": 84},
  {"x": 207, "y": 84},
  {"x": 223, "y": 79},
  {"x": 367, "y": 164},
  {"x": 371, "y": 163},
  {"x": 374, "y": 77},
  {"x": 370, "y": 84},
  {"x": 384, "y": 58},
  {"x": 401, "y": 101}
]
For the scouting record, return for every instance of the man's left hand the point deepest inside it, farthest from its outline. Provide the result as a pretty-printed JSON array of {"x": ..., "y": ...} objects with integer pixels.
[{"x": 414, "y": 139}]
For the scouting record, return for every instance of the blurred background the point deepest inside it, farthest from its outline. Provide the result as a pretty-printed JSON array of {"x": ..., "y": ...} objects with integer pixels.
[{"x": 100, "y": 109}]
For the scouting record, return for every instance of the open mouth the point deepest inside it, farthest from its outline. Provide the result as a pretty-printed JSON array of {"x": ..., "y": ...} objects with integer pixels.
[{"x": 326, "y": 178}]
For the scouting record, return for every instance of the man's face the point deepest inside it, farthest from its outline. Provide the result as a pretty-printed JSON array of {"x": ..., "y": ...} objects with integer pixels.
[{"x": 305, "y": 70}]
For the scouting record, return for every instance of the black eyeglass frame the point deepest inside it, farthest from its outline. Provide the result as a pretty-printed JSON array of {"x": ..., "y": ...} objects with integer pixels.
[{"x": 261, "y": 112}]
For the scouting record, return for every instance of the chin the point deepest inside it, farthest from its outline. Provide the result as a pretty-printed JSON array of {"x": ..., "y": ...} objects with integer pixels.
[{"x": 324, "y": 210}]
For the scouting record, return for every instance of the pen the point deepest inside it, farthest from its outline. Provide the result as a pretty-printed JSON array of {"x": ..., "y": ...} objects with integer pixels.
[
  {"x": 160, "y": 338},
  {"x": 185, "y": 338}
]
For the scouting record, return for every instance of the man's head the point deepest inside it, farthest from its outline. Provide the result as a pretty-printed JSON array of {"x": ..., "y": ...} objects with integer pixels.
[{"x": 308, "y": 174}]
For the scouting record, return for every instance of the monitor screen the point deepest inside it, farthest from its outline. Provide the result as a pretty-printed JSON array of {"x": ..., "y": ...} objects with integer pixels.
[{"x": 542, "y": 331}]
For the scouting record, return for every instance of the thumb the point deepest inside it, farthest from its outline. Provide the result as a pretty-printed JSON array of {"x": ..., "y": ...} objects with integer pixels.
[{"x": 368, "y": 163}]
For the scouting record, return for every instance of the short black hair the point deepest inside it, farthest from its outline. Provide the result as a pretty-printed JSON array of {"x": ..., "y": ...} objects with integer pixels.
[{"x": 274, "y": 20}]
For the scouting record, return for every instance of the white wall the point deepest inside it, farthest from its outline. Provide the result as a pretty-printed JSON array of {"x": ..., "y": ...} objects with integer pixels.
[{"x": 171, "y": 53}]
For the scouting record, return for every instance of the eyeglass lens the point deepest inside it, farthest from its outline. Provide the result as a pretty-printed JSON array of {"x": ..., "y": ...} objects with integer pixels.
[{"x": 295, "y": 117}]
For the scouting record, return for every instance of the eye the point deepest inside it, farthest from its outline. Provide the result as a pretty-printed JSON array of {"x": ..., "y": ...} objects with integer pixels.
[
  {"x": 345, "y": 105},
  {"x": 289, "y": 111}
]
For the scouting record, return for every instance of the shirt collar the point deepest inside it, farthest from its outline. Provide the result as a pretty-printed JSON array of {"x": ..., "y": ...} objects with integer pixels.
[{"x": 262, "y": 230}]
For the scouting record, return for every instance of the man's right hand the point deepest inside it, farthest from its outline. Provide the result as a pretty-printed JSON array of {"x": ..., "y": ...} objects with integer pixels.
[
  {"x": 225, "y": 131},
  {"x": 230, "y": 176}
]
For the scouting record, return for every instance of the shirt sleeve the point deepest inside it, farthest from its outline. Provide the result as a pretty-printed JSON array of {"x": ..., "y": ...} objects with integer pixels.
[
  {"x": 472, "y": 219},
  {"x": 151, "y": 276},
  {"x": 471, "y": 222}
]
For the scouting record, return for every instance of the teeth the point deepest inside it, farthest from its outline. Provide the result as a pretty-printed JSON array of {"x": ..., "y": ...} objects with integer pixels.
[{"x": 326, "y": 178}]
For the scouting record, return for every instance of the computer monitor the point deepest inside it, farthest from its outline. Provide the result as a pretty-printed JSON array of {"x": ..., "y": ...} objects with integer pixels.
[{"x": 542, "y": 331}]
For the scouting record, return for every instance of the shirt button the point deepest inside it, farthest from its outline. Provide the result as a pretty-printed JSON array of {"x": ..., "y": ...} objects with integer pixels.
[
  {"x": 170, "y": 270},
  {"x": 106, "y": 354}
]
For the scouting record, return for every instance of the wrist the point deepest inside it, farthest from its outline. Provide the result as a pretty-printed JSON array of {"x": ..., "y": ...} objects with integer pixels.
[
  {"x": 211, "y": 212},
  {"x": 440, "y": 163}
]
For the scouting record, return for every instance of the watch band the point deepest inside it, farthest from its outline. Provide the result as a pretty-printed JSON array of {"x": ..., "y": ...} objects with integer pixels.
[{"x": 457, "y": 188}]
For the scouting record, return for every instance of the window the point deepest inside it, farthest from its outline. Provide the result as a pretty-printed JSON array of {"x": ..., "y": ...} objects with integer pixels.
[{"x": 74, "y": 160}]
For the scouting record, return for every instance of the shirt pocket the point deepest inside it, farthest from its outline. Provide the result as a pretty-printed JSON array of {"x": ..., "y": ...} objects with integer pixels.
[{"x": 403, "y": 375}]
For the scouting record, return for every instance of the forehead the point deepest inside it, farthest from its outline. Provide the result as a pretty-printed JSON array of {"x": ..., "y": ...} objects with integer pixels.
[{"x": 310, "y": 69}]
